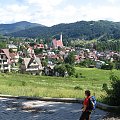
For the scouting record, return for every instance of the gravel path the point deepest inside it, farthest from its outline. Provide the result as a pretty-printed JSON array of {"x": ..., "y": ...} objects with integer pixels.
[{"x": 14, "y": 109}]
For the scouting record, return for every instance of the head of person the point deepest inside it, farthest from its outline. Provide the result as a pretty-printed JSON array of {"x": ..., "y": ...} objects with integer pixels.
[{"x": 87, "y": 93}]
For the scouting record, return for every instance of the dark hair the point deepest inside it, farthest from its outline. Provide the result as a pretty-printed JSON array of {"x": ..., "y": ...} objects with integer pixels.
[{"x": 87, "y": 92}]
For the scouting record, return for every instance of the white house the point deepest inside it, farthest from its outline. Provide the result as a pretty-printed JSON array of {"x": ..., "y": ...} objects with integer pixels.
[
  {"x": 31, "y": 65},
  {"x": 4, "y": 60},
  {"x": 13, "y": 47},
  {"x": 99, "y": 64}
]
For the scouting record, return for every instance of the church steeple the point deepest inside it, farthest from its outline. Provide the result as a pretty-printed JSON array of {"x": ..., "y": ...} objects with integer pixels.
[{"x": 61, "y": 37}]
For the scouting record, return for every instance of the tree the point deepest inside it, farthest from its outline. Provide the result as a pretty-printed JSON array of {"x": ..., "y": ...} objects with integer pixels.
[
  {"x": 113, "y": 94},
  {"x": 108, "y": 66},
  {"x": 87, "y": 62},
  {"x": 2, "y": 45},
  {"x": 20, "y": 60},
  {"x": 44, "y": 63},
  {"x": 61, "y": 69},
  {"x": 70, "y": 69},
  {"x": 11, "y": 50},
  {"x": 38, "y": 51},
  {"x": 70, "y": 59}
]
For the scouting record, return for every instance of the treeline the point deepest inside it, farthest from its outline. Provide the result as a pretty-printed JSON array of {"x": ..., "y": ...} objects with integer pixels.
[
  {"x": 84, "y": 30},
  {"x": 113, "y": 45},
  {"x": 108, "y": 45}
]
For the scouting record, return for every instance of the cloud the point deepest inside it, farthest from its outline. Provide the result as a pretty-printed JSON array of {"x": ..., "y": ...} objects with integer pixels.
[
  {"x": 44, "y": 5},
  {"x": 112, "y": 1},
  {"x": 100, "y": 13},
  {"x": 51, "y": 12},
  {"x": 12, "y": 13}
]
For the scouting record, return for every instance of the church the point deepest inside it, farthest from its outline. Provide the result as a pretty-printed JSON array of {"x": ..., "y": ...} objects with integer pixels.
[{"x": 57, "y": 43}]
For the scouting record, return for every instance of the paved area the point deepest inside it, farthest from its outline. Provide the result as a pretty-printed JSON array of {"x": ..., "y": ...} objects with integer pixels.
[{"x": 14, "y": 109}]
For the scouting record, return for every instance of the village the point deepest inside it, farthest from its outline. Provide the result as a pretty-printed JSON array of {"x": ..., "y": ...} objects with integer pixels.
[{"x": 39, "y": 58}]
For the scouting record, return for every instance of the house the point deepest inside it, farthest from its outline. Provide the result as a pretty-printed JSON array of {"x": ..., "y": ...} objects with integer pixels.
[
  {"x": 4, "y": 60},
  {"x": 57, "y": 43},
  {"x": 32, "y": 66},
  {"x": 49, "y": 70},
  {"x": 13, "y": 47},
  {"x": 77, "y": 59},
  {"x": 99, "y": 64},
  {"x": 14, "y": 59},
  {"x": 39, "y": 46},
  {"x": 30, "y": 52}
]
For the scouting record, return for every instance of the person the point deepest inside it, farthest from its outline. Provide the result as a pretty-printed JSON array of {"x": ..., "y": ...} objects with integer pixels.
[{"x": 85, "y": 111}]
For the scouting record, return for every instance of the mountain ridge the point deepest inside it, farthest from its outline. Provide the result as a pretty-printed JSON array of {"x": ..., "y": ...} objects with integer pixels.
[
  {"x": 18, "y": 26},
  {"x": 86, "y": 30}
]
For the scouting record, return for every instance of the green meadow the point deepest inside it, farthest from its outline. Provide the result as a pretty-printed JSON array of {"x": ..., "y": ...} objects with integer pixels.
[{"x": 46, "y": 86}]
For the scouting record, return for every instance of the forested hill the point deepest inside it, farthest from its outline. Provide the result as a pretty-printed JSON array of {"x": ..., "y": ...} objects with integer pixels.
[
  {"x": 15, "y": 27},
  {"x": 80, "y": 30}
]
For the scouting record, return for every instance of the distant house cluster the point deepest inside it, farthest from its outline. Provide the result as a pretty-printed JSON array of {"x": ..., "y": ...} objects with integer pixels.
[{"x": 23, "y": 57}]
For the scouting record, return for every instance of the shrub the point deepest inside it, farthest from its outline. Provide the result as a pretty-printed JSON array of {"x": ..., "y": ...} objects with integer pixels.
[
  {"x": 70, "y": 59},
  {"x": 105, "y": 87},
  {"x": 107, "y": 66},
  {"x": 62, "y": 68},
  {"x": 77, "y": 88},
  {"x": 113, "y": 94},
  {"x": 70, "y": 69},
  {"x": 87, "y": 63},
  {"x": 76, "y": 75},
  {"x": 23, "y": 83}
]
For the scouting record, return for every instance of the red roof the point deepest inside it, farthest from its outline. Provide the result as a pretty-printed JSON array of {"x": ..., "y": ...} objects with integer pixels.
[
  {"x": 12, "y": 55},
  {"x": 6, "y": 51},
  {"x": 57, "y": 43}
]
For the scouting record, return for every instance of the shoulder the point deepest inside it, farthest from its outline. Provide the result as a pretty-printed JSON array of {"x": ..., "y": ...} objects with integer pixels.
[{"x": 86, "y": 101}]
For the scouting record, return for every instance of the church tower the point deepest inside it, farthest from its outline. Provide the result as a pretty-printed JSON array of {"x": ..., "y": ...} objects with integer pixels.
[{"x": 61, "y": 37}]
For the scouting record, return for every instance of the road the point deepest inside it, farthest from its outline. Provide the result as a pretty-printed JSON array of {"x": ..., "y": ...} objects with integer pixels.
[{"x": 14, "y": 109}]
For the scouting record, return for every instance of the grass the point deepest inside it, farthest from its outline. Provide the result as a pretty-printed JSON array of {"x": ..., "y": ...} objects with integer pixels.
[{"x": 45, "y": 86}]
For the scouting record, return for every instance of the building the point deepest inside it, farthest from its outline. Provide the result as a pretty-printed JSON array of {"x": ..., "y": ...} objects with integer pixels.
[
  {"x": 4, "y": 60},
  {"x": 39, "y": 46},
  {"x": 57, "y": 43},
  {"x": 13, "y": 47},
  {"x": 14, "y": 59},
  {"x": 32, "y": 66},
  {"x": 99, "y": 64},
  {"x": 30, "y": 52}
]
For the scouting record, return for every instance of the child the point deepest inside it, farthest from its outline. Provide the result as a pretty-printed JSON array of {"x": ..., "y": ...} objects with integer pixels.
[{"x": 85, "y": 111}]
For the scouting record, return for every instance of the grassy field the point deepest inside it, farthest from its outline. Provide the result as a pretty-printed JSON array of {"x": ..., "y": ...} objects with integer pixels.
[{"x": 43, "y": 86}]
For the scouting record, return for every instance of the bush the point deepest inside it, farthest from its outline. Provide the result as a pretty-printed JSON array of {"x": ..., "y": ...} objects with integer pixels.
[
  {"x": 105, "y": 87},
  {"x": 70, "y": 69},
  {"x": 113, "y": 94},
  {"x": 23, "y": 83},
  {"x": 77, "y": 88},
  {"x": 107, "y": 66},
  {"x": 76, "y": 75},
  {"x": 70, "y": 59},
  {"x": 62, "y": 68}
]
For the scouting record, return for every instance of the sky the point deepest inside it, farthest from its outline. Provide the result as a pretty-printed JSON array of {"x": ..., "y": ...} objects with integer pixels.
[{"x": 52, "y": 12}]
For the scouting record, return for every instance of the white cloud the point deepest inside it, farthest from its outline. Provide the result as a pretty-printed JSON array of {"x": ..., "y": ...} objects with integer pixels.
[
  {"x": 51, "y": 12},
  {"x": 44, "y": 5},
  {"x": 112, "y": 1},
  {"x": 100, "y": 13},
  {"x": 14, "y": 13}
]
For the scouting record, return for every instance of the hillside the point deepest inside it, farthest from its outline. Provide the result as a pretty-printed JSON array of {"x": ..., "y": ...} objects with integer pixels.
[
  {"x": 15, "y": 27},
  {"x": 80, "y": 30}
]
